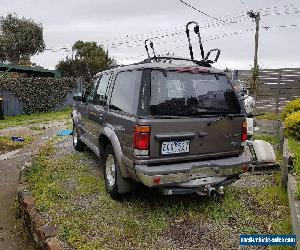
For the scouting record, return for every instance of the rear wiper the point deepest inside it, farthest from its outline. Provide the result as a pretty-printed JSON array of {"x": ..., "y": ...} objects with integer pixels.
[
  {"x": 165, "y": 116},
  {"x": 230, "y": 116}
]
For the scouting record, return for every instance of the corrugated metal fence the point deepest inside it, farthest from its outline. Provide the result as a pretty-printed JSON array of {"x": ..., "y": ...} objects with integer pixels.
[{"x": 279, "y": 86}]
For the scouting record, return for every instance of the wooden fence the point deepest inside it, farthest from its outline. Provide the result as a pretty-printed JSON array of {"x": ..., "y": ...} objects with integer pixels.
[{"x": 278, "y": 87}]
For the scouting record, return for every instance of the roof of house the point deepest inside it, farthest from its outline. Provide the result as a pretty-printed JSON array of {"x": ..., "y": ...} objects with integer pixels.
[{"x": 34, "y": 71}]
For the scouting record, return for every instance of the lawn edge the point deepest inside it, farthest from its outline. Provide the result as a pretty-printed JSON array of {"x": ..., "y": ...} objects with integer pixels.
[
  {"x": 42, "y": 235},
  {"x": 294, "y": 207},
  {"x": 291, "y": 186}
]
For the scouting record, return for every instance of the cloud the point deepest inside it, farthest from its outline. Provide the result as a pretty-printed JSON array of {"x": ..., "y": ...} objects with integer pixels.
[{"x": 65, "y": 22}]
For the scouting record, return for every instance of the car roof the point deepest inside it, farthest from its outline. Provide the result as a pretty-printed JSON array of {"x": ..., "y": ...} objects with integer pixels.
[{"x": 167, "y": 65}]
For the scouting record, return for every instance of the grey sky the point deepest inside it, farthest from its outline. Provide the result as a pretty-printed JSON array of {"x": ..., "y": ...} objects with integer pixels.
[{"x": 107, "y": 21}]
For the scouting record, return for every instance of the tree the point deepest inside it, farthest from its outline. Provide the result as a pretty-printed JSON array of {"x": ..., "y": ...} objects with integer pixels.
[
  {"x": 87, "y": 60},
  {"x": 20, "y": 38}
]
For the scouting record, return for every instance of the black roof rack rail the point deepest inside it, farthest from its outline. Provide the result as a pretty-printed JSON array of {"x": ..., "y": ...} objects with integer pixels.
[{"x": 164, "y": 59}]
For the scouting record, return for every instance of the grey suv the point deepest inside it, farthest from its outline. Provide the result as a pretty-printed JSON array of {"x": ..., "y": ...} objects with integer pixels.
[{"x": 167, "y": 123}]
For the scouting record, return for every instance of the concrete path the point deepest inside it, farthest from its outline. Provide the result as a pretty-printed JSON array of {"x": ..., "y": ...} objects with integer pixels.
[{"x": 12, "y": 235}]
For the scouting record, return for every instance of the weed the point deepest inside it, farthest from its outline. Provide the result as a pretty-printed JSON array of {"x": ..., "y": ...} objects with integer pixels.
[{"x": 6, "y": 144}]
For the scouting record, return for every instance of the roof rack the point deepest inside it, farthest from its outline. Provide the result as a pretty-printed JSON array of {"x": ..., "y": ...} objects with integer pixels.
[{"x": 169, "y": 59}]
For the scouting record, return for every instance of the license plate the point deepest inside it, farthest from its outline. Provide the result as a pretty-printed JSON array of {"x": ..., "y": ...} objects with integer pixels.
[{"x": 175, "y": 147}]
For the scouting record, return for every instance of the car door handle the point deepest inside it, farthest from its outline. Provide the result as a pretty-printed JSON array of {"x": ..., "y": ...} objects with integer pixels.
[
  {"x": 93, "y": 113},
  {"x": 202, "y": 134}
]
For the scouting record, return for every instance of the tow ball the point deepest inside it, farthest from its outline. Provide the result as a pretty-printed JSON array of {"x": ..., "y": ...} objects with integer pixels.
[{"x": 213, "y": 191}]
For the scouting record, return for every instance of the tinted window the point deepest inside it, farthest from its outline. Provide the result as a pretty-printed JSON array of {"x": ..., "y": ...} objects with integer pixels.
[
  {"x": 189, "y": 94},
  {"x": 125, "y": 94},
  {"x": 101, "y": 93},
  {"x": 89, "y": 96}
]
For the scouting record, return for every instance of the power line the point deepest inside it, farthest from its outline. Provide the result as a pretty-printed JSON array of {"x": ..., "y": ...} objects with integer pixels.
[
  {"x": 237, "y": 18},
  {"x": 229, "y": 20},
  {"x": 203, "y": 13},
  {"x": 216, "y": 37}
]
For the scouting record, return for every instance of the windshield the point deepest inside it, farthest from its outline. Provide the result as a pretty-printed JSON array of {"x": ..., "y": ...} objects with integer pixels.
[{"x": 188, "y": 94}]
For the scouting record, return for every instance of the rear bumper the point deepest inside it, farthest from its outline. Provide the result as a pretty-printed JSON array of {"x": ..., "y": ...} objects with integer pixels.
[{"x": 193, "y": 174}]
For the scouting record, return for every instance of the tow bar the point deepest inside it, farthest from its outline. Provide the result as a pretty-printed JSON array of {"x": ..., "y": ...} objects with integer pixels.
[{"x": 212, "y": 191}]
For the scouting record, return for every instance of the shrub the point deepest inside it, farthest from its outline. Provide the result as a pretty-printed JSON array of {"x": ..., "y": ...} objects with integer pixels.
[
  {"x": 292, "y": 125},
  {"x": 291, "y": 107},
  {"x": 39, "y": 94}
]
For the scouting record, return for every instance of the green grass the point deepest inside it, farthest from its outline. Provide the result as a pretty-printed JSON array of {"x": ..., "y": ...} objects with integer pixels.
[
  {"x": 6, "y": 144},
  {"x": 295, "y": 148},
  {"x": 73, "y": 195},
  {"x": 269, "y": 116},
  {"x": 21, "y": 120},
  {"x": 268, "y": 138}
]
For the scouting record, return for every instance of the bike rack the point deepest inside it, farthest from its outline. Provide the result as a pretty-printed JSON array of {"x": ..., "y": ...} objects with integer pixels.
[
  {"x": 197, "y": 31},
  {"x": 205, "y": 61},
  {"x": 152, "y": 47},
  {"x": 216, "y": 58}
]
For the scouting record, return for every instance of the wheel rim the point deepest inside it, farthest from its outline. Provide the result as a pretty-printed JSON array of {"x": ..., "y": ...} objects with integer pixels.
[
  {"x": 75, "y": 136},
  {"x": 110, "y": 170}
]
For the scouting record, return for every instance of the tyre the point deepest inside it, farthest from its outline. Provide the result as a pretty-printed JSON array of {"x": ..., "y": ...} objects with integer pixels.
[
  {"x": 77, "y": 143},
  {"x": 111, "y": 173}
]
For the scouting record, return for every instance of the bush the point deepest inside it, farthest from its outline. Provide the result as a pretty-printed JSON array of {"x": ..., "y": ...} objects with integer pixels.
[
  {"x": 39, "y": 94},
  {"x": 291, "y": 107},
  {"x": 292, "y": 125}
]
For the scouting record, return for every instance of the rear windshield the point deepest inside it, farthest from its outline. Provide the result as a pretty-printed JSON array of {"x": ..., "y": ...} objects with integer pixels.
[{"x": 189, "y": 94}]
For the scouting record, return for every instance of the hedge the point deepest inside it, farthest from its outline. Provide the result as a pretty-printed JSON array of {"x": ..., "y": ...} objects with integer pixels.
[
  {"x": 292, "y": 125},
  {"x": 291, "y": 107},
  {"x": 39, "y": 94}
]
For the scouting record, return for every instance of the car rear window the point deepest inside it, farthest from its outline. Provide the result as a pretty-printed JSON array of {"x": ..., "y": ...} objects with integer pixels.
[{"x": 189, "y": 94}]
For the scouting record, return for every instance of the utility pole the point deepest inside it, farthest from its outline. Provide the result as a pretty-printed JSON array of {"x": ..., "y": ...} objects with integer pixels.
[{"x": 256, "y": 17}]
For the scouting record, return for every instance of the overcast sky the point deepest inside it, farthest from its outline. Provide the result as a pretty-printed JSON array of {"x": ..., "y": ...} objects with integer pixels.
[{"x": 121, "y": 25}]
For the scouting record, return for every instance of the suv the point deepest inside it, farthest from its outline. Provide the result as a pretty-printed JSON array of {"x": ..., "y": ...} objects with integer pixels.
[{"x": 166, "y": 123}]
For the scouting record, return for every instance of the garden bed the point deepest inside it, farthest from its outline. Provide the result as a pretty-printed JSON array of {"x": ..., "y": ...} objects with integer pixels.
[{"x": 69, "y": 193}]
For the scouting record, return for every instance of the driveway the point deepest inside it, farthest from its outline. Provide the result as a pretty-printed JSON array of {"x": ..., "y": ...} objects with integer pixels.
[{"x": 12, "y": 235}]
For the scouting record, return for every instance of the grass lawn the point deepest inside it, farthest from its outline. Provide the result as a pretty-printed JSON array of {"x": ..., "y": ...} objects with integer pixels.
[
  {"x": 21, "y": 120},
  {"x": 69, "y": 191},
  {"x": 6, "y": 144},
  {"x": 269, "y": 116},
  {"x": 295, "y": 148}
]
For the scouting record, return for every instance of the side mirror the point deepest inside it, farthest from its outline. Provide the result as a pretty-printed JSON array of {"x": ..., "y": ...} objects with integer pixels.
[{"x": 78, "y": 97}]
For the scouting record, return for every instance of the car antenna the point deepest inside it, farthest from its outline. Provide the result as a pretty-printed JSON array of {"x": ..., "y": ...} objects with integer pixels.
[
  {"x": 197, "y": 31},
  {"x": 152, "y": 47}
]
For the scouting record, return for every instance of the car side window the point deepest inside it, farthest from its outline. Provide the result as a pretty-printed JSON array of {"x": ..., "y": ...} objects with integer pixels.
[
  {"x": 126, "y": 92},
  {"x": 101, "y": 92},
  {"x": 89, "y": 96}
]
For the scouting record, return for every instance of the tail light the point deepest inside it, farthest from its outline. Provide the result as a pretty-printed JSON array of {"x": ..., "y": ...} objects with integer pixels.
[
  {"x": 141, "y": 140},
  {"x": 244, "y": 132}
]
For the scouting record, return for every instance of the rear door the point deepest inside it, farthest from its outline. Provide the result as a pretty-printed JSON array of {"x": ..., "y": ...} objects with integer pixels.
[
  {"x": 123, "y": 108},
  {"x": 189, "y": 116}
]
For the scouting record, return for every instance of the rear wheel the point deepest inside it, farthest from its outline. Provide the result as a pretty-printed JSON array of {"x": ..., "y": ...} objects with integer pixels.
[
  {"x": 77, "y": 143},
  {"x": 111, "y": 173}
]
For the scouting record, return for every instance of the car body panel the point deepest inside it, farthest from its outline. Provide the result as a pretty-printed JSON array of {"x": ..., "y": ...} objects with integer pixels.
[{"x": 215, "y": 140}]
